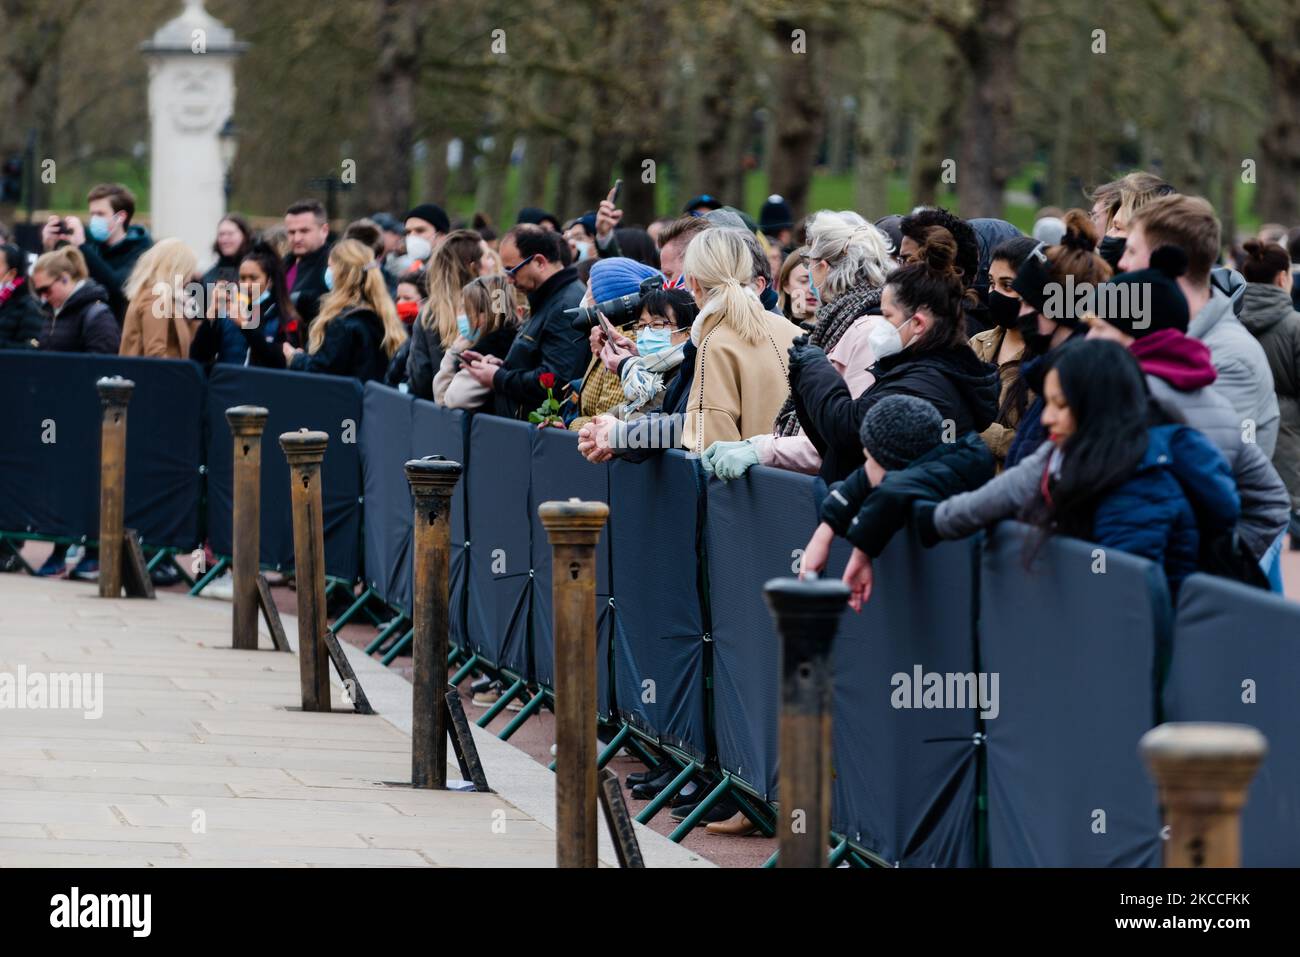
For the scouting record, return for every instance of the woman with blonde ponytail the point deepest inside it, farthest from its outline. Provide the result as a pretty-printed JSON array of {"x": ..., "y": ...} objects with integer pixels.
[
  {"x": 740, "y": 376},
  {"x": 357, "y": 330}
]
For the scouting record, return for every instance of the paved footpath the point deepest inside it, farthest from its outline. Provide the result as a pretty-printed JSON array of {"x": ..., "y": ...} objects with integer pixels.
[{"x": 200, "y": 757}]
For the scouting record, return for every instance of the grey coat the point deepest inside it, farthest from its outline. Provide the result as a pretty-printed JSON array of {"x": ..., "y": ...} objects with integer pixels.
[
  {"x": 1265, "y": 505},
  {"x": 1244, "y": 376},
  {"x": 1003, "y": 496},
  {"x": 1271, "y": 318}
]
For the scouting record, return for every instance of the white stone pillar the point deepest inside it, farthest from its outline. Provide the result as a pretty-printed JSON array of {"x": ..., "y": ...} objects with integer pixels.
[{"x": 191, "y": 95}]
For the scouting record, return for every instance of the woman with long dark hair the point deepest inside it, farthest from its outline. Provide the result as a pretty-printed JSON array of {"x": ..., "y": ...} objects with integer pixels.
[
  {"x": 249, "y": 323},
  {"x": 1109, "y": 473},
  {"x": 1003, "y": 344}
]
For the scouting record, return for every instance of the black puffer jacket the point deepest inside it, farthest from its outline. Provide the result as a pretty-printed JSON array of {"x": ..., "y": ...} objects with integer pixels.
[
  {"x": 308, "y": 289},
  {"x": 21, "y": 318},
  {"x": 547, "y": 342},
  {"x": 353, "y": 346},
  {"x": 84, "y": 324},
  {"x": 868, "y": 517},
  {"x": 952, "y": 378}
]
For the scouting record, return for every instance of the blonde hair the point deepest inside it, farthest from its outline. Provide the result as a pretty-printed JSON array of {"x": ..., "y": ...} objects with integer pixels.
[
  {"x": 490, "y": 303},
  {"x": 166, "y": 267},
  {"x": 357, "y": 282},
  {"x": 719, "y": 261},
  {"x": 64, "y": 261},
  {"x": 450, "y": 268}
]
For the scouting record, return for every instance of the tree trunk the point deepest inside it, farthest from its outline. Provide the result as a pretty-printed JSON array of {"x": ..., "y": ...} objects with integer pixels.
[
  {"x": 490, "y": 198},
  {"x": 928, "y": 155},
  {"x": 988, "y": 47},
  {"x": 532, "y": 177},
  {"x": 872, "y": 129},
  {"x": 1276, "y": 199},
  {"x": 384, "y": 181},
  {"x": 437, "y": 175},
  {"x": 799, "y": 114}
]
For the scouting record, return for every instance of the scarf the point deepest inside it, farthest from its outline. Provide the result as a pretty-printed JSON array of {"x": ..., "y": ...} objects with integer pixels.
[
  {"x": 9, "y": 288},
  {"x": 833, "y": 320}
]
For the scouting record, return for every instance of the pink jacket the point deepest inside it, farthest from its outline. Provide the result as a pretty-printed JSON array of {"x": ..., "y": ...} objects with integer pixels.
[{"x": 851, "y": 358}]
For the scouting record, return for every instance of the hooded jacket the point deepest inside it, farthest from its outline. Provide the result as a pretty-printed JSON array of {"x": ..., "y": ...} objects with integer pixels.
[
  {"x": 1179, "y": 375},
  {"x": 952, "y": 378},
  {"x": 21, "y": 318},
  {"x": 83, "y": 324},
  {"x": 353, "y": 346},
  {"x": 1181, "y": 487},
  {"x": 1268, "y": 314},
  {"x": 1244, "y": 376},
  {"x": 111, "y": 265},
  {"x": 868, "y": 517}
]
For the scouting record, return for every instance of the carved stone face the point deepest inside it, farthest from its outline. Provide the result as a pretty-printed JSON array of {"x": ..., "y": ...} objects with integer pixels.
[{"x": 194, "y": 100}]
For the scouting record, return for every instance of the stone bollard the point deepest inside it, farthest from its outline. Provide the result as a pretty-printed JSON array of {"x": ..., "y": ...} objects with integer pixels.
[
  {"x": 806, "y": 614},
  {"x": 246, "y": 425},
  {"x": 432, "y": 480},
  {"x": 1202, "y": 772},
  {"x": 305, "y": 451},
  {"x": 114, "y": 395},
  {"x": 574, "y": 529}
]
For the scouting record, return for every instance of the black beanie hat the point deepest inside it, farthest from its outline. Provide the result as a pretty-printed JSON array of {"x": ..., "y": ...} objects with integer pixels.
[
  {"x": 432, "y": 214},
  {"x": 1166, "y": 306},
  {"x": 536, "y": 216},
  {"x": 899, "y": 429}
]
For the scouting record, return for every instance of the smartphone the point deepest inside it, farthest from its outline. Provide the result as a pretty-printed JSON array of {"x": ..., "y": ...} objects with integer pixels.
[
  {"x": 605, "y": 326},
  {"x": 618, "y": 189}
]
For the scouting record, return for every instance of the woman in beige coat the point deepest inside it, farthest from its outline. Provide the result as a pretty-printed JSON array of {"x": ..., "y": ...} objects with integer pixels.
[{"x": 155, "y": 323}]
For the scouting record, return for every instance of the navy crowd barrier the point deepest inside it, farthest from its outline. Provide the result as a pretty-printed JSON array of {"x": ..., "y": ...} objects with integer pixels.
[
  {"x": 439, "y": 431},
  {"x": 295, "y": 400},
  {"x": 655, "y": 536},
  {"x": 49, "y": 459},
  {"x": 905, "y": 769},
  {"x": 1237, "y": 659},
  {"x": 388, "y": 421},
  {"x": 1075, "y": 644}
]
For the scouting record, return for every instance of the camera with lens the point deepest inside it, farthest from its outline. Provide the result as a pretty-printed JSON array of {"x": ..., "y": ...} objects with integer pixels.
[{"x": 618, "y": 311}]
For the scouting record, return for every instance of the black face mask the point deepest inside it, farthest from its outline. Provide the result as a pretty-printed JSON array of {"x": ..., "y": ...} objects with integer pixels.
[
  {"x": 1111, "y": 249},
  {"x": 1004, "y": 310},
  {"x": 1036, "y": 343}
]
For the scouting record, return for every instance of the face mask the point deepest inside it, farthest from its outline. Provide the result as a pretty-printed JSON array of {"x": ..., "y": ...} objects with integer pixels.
[
  {"x": 264, "y": 298},
  {"x": 584, "y": 250},
  {"x": 883, "y": 337},
  {"x": 1036, "y": 343},
  {"x": 99, "y": 228},
  {"x": 812, "y": 287},
  {"x": 1111, "y": 249},
  {"x": 463, "y": 327},
  {"x": 407, "y": 311},
  {"x": 1004, "y": 310},
  {"x": 329, "y": 278},
  {"x": 418, "y": 248},
  {"x": 649, "y": 341}
]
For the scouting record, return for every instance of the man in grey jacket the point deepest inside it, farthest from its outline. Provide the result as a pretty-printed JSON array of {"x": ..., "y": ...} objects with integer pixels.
[{"x": 1244, "y": 377}]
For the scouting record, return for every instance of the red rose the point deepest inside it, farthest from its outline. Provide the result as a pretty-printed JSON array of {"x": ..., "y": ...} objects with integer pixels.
[{"x": 547, "y": 379}]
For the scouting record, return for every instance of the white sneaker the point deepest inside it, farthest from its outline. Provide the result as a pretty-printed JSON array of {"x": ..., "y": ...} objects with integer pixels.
[{"x": 221, "y": 588}]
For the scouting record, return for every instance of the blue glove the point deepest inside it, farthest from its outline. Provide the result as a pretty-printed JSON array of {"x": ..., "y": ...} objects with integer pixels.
[{"x": 729, "y": 460}]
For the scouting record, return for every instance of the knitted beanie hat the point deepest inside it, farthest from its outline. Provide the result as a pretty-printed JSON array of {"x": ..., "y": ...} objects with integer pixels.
[
  {"x": 618, "y": 276},
  {"x": 1156, "y": 302},
  {"x": 899, "y": 429}
]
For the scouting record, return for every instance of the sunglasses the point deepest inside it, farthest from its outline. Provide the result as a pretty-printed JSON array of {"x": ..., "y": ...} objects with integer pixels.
[
  {"x": 520, "y": 265},
  {"x": 42, "y": 291}
]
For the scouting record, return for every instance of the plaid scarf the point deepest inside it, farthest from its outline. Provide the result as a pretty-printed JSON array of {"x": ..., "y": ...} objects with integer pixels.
[{"x": 833, "y": 320}]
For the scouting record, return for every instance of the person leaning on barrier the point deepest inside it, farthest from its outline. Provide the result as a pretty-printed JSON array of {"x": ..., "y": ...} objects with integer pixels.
[
  {"x": 20, "y": 312},
  {"x": 649, "y": 365},
  {"x": 1180, "y": 377},
  {"x": 79, "y": 318},
  {"x": 907, "y": 461},
  {"x": 357, "y": 331},
  {"x": 156, "y": 324},
  {"x": 1110, "y": 472},
  {"x": 460, "y": 256},
  {"x": 487, "y": 327}
]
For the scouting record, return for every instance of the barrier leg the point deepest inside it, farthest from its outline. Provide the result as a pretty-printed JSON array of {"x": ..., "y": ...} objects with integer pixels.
[
  {"x": 114, "y": 395},
  {"x": 574, "y": 528},
  {"x": 399, "y": 646},
  {"x": 499, "y": 705},
  {"x": 246, "y": 425},
  {"x": 805, "y": 613},
  {"x": 465, "y": 669},
  {"x": 701, "y": 809},
  {"x": 355, "y": 607},
  {"x": 305, "y": 451},
  {"x": 667, "y": 794},
  {"x": 380, "y": 638},
  {"x": 432, "y": 480},
  {"x": 531, "y": 707},
  {"x": 1202, "y": 772}
]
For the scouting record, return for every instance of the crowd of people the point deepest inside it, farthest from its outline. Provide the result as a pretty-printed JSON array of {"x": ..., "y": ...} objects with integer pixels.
[{"x": 1123, "y": 375}]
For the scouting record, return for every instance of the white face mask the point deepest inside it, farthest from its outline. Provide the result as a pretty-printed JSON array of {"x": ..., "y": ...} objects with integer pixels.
[
  {"x": 418, "y": 248},
  {"x": 883, "y": 337}
]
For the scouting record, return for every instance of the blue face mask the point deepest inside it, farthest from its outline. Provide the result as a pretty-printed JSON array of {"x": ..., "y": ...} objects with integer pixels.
[
  {"x": 463, "y": 327},
  {"x": 264, "y": 298},
  {"x": 329, "y": 278},
  {"x": 812, "y": 287},
  {"x": 649, "y": 341},
  {"x": 99, "y": 229}
]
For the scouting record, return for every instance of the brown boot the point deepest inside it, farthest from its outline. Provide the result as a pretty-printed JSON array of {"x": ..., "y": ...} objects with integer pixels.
[{"x": 737, "y": 826}]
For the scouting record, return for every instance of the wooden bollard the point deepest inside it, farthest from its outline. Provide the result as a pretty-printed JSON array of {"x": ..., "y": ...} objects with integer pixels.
[
  {"x": 1202, "y": 772},
  {"x": 246, "y": 425},
  {"x": 574, "y": 529},
  {"x": 305, "y": 451},
  {"x": 806, "y": 614},
  {"x": 433, "y": 480},
  {"x": 114, "y": 394}
]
